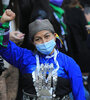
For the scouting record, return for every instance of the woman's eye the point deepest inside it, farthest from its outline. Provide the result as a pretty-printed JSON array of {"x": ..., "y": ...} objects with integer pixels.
[
  {"x": 47, "y": 36},
  {"x": 37, "y": 39}
]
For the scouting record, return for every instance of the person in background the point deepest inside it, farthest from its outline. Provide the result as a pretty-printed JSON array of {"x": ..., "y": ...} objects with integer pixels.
[
  {"x": 77, "y": 36},
  {"x": 3, "y": 6},
  {"x": 6, "y": 77},
  {"x": 44, "y": 66},
  {"x": 58, "y": 13},
  {"x": 87, "y": 15},
  {"x": 3, "y": 74},
  {"x": 85, "y": 3},
  {"x": 77, "y": 33}
]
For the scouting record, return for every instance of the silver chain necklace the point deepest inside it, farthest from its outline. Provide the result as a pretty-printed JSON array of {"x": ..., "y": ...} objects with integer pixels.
[{"x": 43, "y": 77}]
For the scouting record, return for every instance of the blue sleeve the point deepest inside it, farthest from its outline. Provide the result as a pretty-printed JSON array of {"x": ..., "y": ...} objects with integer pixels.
[
  {"x": 17, "y": 56},
  {"x": 75, "y": 77}
]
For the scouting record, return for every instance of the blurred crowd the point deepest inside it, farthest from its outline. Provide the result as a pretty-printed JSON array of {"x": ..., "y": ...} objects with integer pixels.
[{"x": 71, "y": 21}]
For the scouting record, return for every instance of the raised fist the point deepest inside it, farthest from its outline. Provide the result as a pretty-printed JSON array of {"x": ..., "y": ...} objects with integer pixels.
[{"x": 8, "y": 15}]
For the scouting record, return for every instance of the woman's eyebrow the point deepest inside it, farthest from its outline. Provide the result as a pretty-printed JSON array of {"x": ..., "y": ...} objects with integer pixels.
[
  {"x": 37, "y": 37},
  {"x": 43, "y": 35},
  {"x": 47, "y": 33}
]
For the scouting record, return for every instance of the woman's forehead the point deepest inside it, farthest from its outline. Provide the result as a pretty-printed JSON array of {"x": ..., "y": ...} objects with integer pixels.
[{"x": 41, "y": 33}]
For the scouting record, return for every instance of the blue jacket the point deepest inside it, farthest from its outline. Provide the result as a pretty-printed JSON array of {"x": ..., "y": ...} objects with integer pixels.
[{"x": 25, "y": 60}]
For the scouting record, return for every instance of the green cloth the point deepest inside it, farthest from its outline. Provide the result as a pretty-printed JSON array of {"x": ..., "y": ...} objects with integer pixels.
[
  {"x": 1, "y": 40},
  {"x": 59, "y": 12},
  {"x": 2, "y": 29},
  {"x": 77, "y": 6},
  {"x": 5, "y": 25},
  {"x": 88, "y": 23}
]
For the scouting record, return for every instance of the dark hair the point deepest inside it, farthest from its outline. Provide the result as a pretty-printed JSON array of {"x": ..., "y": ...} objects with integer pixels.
[
  {"x": 85, "y": 3},
  {"x": 70, "y": 3},
  {"x": 1, "y": 8}
]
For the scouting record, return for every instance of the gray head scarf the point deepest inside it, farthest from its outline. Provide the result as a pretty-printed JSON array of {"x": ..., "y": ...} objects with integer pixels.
[{"x": 39, "y": 25}]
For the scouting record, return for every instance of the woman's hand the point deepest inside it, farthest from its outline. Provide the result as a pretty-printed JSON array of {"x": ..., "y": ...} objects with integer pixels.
[
  {"x": 8, "y": 15},
  {"x": 16, "y": 36}
]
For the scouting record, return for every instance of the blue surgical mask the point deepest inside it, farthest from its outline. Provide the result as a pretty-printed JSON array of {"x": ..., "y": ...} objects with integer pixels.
[{"x": 47, "y": 47}]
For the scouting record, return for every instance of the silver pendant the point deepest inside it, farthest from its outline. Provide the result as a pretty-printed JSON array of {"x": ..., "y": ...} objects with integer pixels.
[{"x": 43, "y": 80}]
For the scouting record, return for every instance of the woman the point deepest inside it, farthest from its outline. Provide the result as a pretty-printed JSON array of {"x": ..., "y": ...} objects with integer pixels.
[
  {"x": 17, "y": 37},
  {"x": 30, "y": 10},
  {"x": 77, "y": 33},
  {"x": 47, "y": 73},
  {"x": 3, "y": 6}
]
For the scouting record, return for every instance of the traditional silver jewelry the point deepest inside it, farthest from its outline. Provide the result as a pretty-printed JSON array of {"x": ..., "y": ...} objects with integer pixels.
[{"x": 43, "y": 77}]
